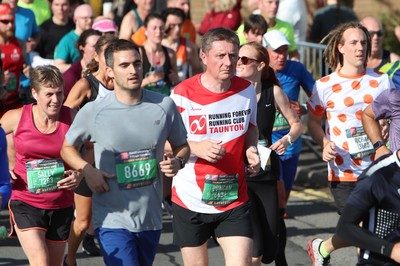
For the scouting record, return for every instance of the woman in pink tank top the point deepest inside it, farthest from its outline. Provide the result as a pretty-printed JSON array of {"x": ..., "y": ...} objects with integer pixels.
[{"x": 41, "y": 204}]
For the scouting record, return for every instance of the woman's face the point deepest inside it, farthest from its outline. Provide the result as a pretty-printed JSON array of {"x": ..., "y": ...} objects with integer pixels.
[
  {"x": 247, "y": 65},
  {"x": 88, "y": 49},
  {"x": 155, "y": 30},
  {"x": 49, "y": 99}
]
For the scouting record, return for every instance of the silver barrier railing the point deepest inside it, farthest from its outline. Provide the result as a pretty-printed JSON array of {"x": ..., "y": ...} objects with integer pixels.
[{"x": 311, "y": 55}]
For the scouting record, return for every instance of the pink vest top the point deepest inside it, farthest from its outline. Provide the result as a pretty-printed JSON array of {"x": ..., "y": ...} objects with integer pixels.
[{"x": 31, "y": 144}]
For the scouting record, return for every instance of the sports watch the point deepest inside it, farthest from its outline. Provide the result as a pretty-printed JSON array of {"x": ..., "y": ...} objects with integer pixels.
[
  {"x": 181, "y": 161},
  {"x": 379, "y": 144}
]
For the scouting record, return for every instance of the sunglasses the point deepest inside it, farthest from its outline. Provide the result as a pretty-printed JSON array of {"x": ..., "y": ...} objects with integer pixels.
[
  {"x": 378, "y": 33},
  {"x": 246, "y": 60},
  {"x": 6, "y": 21}
]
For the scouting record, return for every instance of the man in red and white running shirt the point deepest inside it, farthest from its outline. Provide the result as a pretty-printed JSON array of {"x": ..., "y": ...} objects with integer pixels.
[
  {"x": 13, "y": 60},
  {"x": 340, "y": 98},
  {"x": 210, "y": 192}
]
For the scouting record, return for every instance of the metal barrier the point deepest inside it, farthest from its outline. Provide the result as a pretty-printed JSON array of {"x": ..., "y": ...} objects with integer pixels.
[{"x": 311, "y": 55}]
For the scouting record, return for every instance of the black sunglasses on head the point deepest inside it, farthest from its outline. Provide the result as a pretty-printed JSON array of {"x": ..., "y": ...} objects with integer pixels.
[{"x": 246, "y": 60}]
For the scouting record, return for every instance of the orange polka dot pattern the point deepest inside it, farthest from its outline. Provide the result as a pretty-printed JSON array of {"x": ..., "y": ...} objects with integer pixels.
[{"x": 342, "y": 100}]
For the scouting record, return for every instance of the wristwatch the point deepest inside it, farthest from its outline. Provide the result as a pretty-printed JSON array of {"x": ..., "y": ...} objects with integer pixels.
[
  {"x": 379, "y": 144},
  {"x": 289, "y": 138},
  {"x": 181, "y": 161}
]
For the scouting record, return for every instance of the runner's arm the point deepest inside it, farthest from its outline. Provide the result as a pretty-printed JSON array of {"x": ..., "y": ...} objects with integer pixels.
[
  {"x": 349, "y": 230},
  {"x": 371, "y": 128}
]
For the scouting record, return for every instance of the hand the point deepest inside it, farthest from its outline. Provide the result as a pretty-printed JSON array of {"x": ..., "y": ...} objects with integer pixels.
[
  {"x": 211, "y": 150},
  {"x": 155, "y": 76},
  {"x": 384, "y": 126},
  {"x": 280, "y": 146},
  {"x": 25, "y": 69},
  {"x": 71, "y": 180},
  {"x": 96, "y": 179},
  {"x": 8, "y": 76},
  {"x": 12, "y": 177},
  {"x": 296, "y": 107},
  {"x": 31, "y": 45},
  {"x": 170, "y": 165},
  {"x": 253, "y": 158},
  {"x": 395, "y": 254},
  {"x": 329, "y": 152},
  {"x": 174, "y": 78}
]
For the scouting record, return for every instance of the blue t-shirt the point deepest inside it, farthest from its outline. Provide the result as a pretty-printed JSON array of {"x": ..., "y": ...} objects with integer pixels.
[
  {"x": 25, "y": 24},
  {"x": 66, "y": 48},
  {"x": 291, "y": 78},
  {"x": 25, "y": 28},
  {"x": 5, "y": 186}
]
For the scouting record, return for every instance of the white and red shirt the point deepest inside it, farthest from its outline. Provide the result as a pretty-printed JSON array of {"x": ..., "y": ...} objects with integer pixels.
[
  {"x": 342, "y": 99},
  {"x": 218, "y": 116}
]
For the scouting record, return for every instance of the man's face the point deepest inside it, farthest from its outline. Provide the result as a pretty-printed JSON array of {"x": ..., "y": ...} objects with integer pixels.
[
  {"x": 127, "y": 70},
  {"x": 7, "y": 26},
  {"x": 354, "y": 48},
  {"x": 173, "y": 25},
  {"x": 268, "y": 8},
  {"x": 278, "y": 57},
  {"x": 221, "y": 60},
  {"x": 60, "y": 9},
  {"x": 181, "y": 4},
  {"x": 146, "y": 5},
  {"x": 253, "y": 36},
  {"x": 85, "y": 18},
  {"x": 376, "y": 32}
]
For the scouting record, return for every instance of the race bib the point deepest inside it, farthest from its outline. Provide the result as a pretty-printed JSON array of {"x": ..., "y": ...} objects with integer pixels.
[
  {"x": 43, "y": 175},
  {"x": 358, "y": 142},
  {"x": 137, "y": 168},
  {"x": 280, "y": 122},
  {"x": 220, "y": 190}
]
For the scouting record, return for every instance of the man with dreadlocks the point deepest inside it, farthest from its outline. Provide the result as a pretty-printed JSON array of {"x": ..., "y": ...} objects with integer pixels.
[{"x": 340, "y": 98}]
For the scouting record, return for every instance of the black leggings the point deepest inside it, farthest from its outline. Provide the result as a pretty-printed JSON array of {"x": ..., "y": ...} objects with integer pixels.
[{"x": 264, "y": 214}]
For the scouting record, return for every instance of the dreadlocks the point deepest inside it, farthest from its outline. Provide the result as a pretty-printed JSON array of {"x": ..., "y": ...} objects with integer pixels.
[{"x": 331, "y": 53}]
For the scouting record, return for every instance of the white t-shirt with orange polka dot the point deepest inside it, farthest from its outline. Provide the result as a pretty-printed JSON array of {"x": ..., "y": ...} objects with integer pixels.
[{"x": 341, "y": 99}]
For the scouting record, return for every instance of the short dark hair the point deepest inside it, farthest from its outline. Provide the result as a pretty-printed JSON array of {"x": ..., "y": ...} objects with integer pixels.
[
  {"x": 218, "y": 34},
  {"x": 117, "y": 46},
  {"x": 83, "y": 37},
  {"x": 151, "y": 16},
  {"x": 255, "y": 23},
  {"x": 173, "y": 11}
]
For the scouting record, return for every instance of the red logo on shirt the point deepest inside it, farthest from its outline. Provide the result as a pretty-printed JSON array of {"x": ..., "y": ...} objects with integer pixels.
[
  {"x": 124, "y": 156},
  {"x": 198, "y": 124}
]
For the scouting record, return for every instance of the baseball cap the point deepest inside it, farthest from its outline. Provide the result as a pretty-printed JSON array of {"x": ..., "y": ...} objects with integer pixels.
[
  {"x": 105, "y": 25},
  {"x": 6, "y": 11},
  {"x": 274, "y": 39}
]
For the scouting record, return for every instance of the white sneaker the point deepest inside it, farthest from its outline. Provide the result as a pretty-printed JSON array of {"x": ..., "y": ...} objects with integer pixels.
[{"x": 313, "y": 252}]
